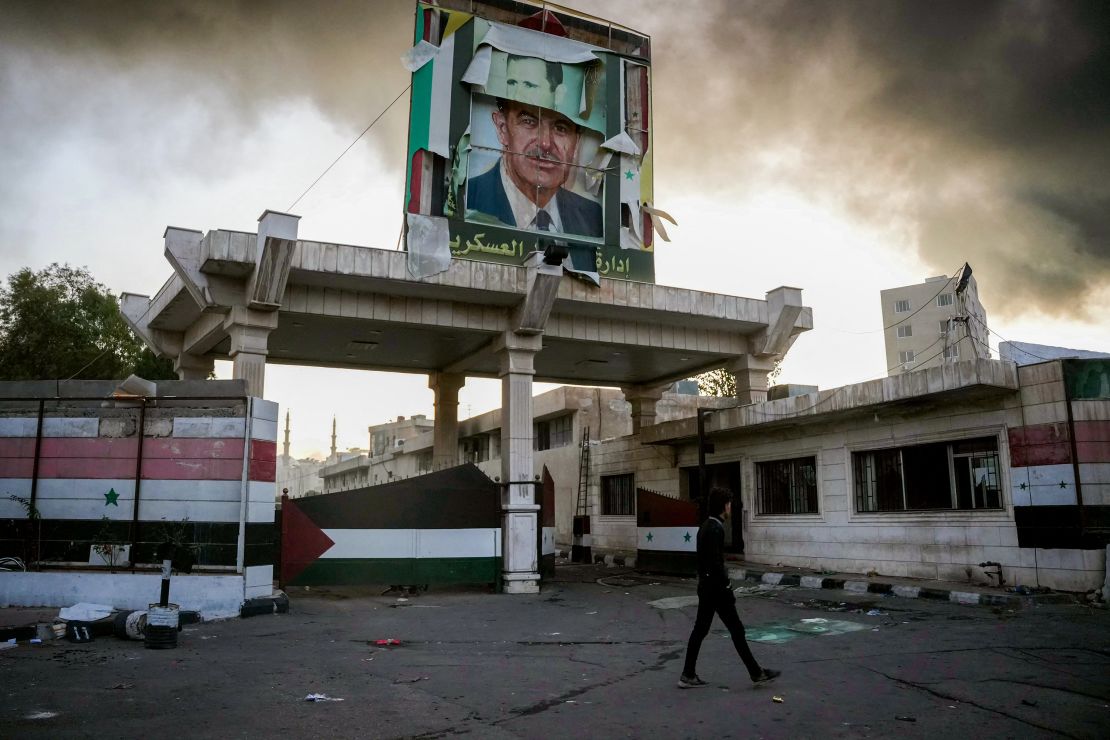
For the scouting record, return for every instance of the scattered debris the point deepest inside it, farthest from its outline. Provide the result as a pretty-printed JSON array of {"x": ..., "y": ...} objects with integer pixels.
[
  {"x": 672, "y": 602},
  {"x": 321, "y": 697},
  {"x": 905, "y": 718},
  {"x": 411, "y": 680},
  {"x": 776, "y": 699},
  {"x": 875, "y": 613},
  {"x": 41, "y": 715},
  {"x": 123, "y": 686},
  {"x": 84, "y": 612},
  {"x": 8, "y": 645},
  {"x": 388, "y": 641}
]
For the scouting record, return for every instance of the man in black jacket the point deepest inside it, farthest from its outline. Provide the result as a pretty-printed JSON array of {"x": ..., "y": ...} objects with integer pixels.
[{"x": 715, "y": 595}]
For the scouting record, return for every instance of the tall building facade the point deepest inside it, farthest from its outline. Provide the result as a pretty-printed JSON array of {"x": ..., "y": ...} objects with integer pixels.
[{"x": 931, "y": 323}]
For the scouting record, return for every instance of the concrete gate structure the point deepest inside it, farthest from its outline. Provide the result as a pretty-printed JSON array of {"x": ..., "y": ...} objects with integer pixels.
[{"x": 272, "y": 297}]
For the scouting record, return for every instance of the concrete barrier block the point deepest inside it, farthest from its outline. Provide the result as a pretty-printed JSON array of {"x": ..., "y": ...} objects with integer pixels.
[
  {"x": 964, "y": 597},
  {"x": 859, "y": 587},
  {"x": 907, "y": 592},
  {"x": 812, "y": 581}
]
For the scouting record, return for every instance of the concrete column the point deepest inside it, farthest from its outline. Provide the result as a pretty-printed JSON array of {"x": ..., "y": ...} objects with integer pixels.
[
  {"x": 250, "y": 331},
  {"x": 520, "y": 512},
  {"x": 445, "y": 433},
  {"x": 751, "y": 377},
  {"x": 643, "y": 400},
  {"x": 192, "y": 367}
]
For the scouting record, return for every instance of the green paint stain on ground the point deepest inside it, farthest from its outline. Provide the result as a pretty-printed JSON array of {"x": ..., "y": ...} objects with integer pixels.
[{"x": 780, "y": 632}]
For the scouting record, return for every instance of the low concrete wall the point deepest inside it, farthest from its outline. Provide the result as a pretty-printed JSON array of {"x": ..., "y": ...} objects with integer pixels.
[{"x": 214, "y": 596}]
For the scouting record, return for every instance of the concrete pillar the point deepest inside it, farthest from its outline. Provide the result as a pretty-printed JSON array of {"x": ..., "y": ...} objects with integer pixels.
[
  {"x": 643, "y": 400},
  {"x": 192, "y": 367},
  {"x": 250, "y": 331},
  {"x": 520, "y": 512},
  {"x": 445, "y": 433},
  {"x": 751, "y": 377}
]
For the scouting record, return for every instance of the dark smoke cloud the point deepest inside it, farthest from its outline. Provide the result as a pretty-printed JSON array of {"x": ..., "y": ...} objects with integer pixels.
[{"x": 973, "y": 131}]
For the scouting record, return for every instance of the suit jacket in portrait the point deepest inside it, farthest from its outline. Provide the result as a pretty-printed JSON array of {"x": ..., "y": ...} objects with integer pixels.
[{"x": 486, "y": 193}]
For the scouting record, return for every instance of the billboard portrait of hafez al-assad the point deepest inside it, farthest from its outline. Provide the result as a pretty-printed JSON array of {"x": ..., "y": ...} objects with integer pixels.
[{"x": 527, "y": 187}]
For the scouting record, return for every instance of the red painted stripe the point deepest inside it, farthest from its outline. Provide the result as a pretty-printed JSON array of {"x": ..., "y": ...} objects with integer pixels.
[
  {"x": 655, "y": 510},
  {"x": 124, "y": 448},
  {"x": 1040, "y": 444},
  {"x": 16, "y": 467},
  {"x": 1092, "y": 431},
  {"x": 263, "y": 449},
  {"x": 415, "y": 180},
  {"x": 17, "y": 447},
  {"x": 263, "y": 470},
  {"x": 1092, "y": 452}
]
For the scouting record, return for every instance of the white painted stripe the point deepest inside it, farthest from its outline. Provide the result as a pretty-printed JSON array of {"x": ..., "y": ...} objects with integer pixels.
[
  {"x": 13, "y": 487},
  {"x": 260, "y": 513},
  {"x": 1043, "y": 485},
  {"x": 670, "y": 539},
  {"x": 18, "y": 427},
  {"x": 261, "y": 492},
  {"x": 209, "y": 426},
  {"x": 67, "y": 498},
  {"x": 265, "y": 410},
  {"x": 264, "y": 430},
  {"x": 259, "y": 575},
  {"x": 52, "y": 426},
  {"x": 547, "y": 541},
  {"x": 413, "y": 543}
]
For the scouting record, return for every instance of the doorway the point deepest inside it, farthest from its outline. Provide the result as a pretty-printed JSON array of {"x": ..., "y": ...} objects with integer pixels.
[{"x": 725, "y": 475}]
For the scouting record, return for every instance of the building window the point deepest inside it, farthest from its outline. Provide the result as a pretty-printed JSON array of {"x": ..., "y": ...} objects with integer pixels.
[
  {"x": 618, "y": 495},
  {"x": 944, "y": 299},
  {"x": 787, "y": 486},
  {"x": 906, "y": 330},
  {"x": 943, "y": 475},
  {"x": 906, "y": 357},
  {"x": 944, "y": 328},
  {"x": 476, "y": 449},
  {"x": 951, "y": 353},
  {"x": 552, "y": 433},
  {"x": 901, "y": 307}
]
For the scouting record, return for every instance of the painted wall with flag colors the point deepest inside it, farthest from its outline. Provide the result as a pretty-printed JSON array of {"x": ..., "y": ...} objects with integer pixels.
[
  {"x": 201, "y": 472},
  {"x": 529, "y": 126}
]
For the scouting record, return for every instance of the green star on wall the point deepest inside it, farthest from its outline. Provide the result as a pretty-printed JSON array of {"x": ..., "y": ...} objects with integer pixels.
[
  {"x": 111, "y": 498},
  {"x": 1023, "y": 486},
  {"x": 629, "y": 175},
  {"x": 1063, "y": 484},
  {"x": 649, "y": 537},
  {"x": 687, "y": 537}
]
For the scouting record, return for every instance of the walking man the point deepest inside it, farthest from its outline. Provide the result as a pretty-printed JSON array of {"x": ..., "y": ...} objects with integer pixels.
[{"x": 715, "y": 596}]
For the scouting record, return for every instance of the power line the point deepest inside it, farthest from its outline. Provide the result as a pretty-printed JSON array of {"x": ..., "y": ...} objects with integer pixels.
[
  {"x": 904, "y": 318},
  {"x": 344, "y": 152}
]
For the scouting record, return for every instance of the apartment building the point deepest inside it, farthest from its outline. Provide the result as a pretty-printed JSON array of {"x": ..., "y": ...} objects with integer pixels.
[{"x": 931, "y": 323}]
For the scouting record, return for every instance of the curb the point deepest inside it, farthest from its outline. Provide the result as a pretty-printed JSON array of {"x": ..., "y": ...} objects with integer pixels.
[
  {"x": 904, "y": 591},
  {"x": 276, "y": 604},
  {"x": 611, "y": 561}
]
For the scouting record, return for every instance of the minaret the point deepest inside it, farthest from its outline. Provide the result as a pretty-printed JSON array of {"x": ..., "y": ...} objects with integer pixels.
[
  {"x": 333, "y": 455},
  {"x": 285, "y": 452}
]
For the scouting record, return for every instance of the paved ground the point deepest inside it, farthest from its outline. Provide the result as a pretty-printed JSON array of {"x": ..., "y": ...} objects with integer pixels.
[{"x": 584, "y": 659}]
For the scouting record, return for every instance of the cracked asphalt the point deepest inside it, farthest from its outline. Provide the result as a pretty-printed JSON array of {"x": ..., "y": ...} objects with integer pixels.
[{"x": 584, "y": 659}]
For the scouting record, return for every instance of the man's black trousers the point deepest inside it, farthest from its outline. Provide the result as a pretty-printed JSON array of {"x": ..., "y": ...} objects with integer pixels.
[{"x": 722, "y": 602}]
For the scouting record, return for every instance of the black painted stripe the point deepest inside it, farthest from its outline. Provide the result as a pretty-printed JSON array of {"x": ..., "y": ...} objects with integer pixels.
[{"x": 457, "y": 498}]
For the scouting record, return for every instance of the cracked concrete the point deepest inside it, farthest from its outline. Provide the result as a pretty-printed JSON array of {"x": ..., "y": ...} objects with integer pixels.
[{"x": 582, "y": 659}]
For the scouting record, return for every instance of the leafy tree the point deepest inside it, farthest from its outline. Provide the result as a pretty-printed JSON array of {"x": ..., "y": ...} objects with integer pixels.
[
  {"x": 61, "y": 323},
  {"x": 719, "y": 382},
  {"x": 722, "y": 383}
]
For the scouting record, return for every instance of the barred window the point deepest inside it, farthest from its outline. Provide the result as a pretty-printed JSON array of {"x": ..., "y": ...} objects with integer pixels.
[
  {"x": 962, "y": 474},
  {"x": 552, "y": 433},
  {"x": 787, "y": 486},
  {"x": 618, "y": 495},
  {"x": 902, "y": 307},
  {"x": 944, "y": 299}
]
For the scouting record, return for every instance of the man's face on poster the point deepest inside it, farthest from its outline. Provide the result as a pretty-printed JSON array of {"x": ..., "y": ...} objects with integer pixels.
[
  {"x": 539, "y": 148},
  {"x": 527, "y": 81}
]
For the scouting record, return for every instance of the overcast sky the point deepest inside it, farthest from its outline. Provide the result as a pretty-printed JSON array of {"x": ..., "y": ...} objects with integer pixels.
[{"x": 840, "y": 147}]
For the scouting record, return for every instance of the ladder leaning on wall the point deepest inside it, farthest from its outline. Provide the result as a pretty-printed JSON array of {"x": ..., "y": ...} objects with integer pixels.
[{"x": 580, "y": 550}]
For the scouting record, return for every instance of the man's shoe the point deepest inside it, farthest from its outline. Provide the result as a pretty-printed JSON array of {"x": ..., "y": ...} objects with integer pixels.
[
  {"x": 767, "y": 676},
  {"x": 690, "y": 682}
]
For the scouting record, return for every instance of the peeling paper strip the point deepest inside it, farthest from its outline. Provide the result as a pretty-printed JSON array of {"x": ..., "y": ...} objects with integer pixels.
[
  {"x": 419, "y": 55},
  {"x": 622, "y": 143},
  {"x": 428, "y": 243},
  {"x": 657, "y": 217},
  {"x": 440, "y": 119},
  {"x": 529, "y": 43},
  {"x": 477, "y": 72},
  {"x": 630, "y": 240},
  {"x": 595, "y": 172}
]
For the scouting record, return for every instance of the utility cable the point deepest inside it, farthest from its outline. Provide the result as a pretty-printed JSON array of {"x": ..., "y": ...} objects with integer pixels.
[
  {"x": 904, "y": 318},
  {"x": 344, "y": 152},
  {"x": 90, "y": 362}
]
